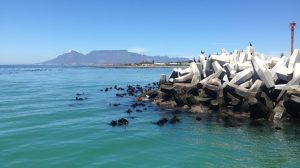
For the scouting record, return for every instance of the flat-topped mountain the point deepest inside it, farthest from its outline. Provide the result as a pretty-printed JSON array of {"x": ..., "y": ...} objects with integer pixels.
[{"x": 102, "y": 57}]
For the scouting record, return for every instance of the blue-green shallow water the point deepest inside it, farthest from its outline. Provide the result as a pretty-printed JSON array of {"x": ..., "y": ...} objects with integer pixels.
[{"x": 41, "y": 125}]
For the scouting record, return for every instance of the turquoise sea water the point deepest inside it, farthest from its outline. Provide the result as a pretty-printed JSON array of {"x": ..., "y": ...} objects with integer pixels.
[{"x": 42, "y": 125}]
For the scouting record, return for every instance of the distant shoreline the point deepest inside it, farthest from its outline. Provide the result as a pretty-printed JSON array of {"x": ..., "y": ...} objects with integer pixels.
[
  {"x": 99, "y": 66},
  {"x": 138, "y": 66}
]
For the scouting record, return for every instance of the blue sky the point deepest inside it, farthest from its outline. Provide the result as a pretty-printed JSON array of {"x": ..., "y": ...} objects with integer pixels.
[{"x": 36, "y": 30}]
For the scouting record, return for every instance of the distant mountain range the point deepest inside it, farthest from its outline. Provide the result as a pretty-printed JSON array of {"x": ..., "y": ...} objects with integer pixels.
[{"x": 104, "y": 57}]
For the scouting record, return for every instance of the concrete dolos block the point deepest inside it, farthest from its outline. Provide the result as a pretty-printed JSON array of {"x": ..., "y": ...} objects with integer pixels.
[
  {"x": 196, "y": 71},
  {"x": 242, "y": 76},
  {"x": 217, "y": 67},
  {"x": 193, "y": 74},
  {"x": 229, "y": 70},
  {"x": 263, "y": 72},
  {"x": 294, "y": 81},
  {"x": 296, "y": 70},
  {"x": 295, "y": 58}
]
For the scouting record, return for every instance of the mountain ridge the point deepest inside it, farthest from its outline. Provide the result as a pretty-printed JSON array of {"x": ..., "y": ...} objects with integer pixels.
[{"x": 104, "y": 57}]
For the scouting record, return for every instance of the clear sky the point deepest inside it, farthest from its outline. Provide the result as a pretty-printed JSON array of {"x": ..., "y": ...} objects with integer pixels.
[{"x": 32, "y": 31}]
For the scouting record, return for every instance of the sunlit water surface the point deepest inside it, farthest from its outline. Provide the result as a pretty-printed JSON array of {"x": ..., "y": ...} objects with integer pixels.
[{"x": 42, "y": 125}]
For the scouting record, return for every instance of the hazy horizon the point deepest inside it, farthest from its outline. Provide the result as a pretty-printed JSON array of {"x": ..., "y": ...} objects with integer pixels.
[{"x": 34, "y": 31}]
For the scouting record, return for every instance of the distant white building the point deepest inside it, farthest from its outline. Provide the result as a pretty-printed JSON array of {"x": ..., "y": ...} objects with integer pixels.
[{"x": 159, "y": 63}]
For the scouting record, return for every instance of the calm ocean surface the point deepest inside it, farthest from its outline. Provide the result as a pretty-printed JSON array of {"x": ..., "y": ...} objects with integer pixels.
[{"x": 42, "y": 125}]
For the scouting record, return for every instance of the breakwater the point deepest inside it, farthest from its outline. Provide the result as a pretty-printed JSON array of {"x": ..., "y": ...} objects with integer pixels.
[{"x": 237, "y": 84}]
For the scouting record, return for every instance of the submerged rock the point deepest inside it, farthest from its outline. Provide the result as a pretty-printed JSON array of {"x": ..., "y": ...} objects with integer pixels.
[
  {"x": 129, "y": 111},
  {"x": 121, "y": 94},
  {"x": 116, "y": 104},
  {"x": 136, "y": 104},
  {"x": 79, "y": 98},
  {"x": 162, "y": 122},
  {"x": 174, "y": 120},
  {"x": 278, "y": 128},
  {"x": 230, "y": 121},
  {"x": 122, "y": 121},
  {"x": 198, "y": 118},
  {"x": 113, "y": 123},
  {"x": 257, "y": 109}
]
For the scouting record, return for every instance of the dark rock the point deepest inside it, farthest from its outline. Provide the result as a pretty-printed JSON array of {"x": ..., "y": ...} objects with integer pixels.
[
  {"x": 168, "y": 89},
  {"x": 257, "y": 109},
  {"x": 116, "y": 104},
  {"x": 230, "y": 121},
  {"x": 152, "y": 94},
  {"x": 122, "y": 121},
  {"x": 198, "y": 118},
  {"x": 79, "y": 98},
  {"x": 257, "y": 123},
  {"x": 164, "y": 96},
  {"x": 193, "y": 91},
  {"x": 121, "y": 94},
  {"x": 133, "y": 105},
  {"x": 137, "y": 104},
  {"x": 278, "y": 128},
  {"x": 129, "y": 111},
  {"x": 192, "y": 100},
  {"x": 113, "y": 123},
  {"x": 174, "y": 120},
  {"x": 138, "y": 110},
  {"x": 292, "y": 105},
  {"x": 265, "y": 99},
  {"x": 162, "y": 122},
  {"x": 244, "y": 106},
  {"x": 180, "y": 99}
]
